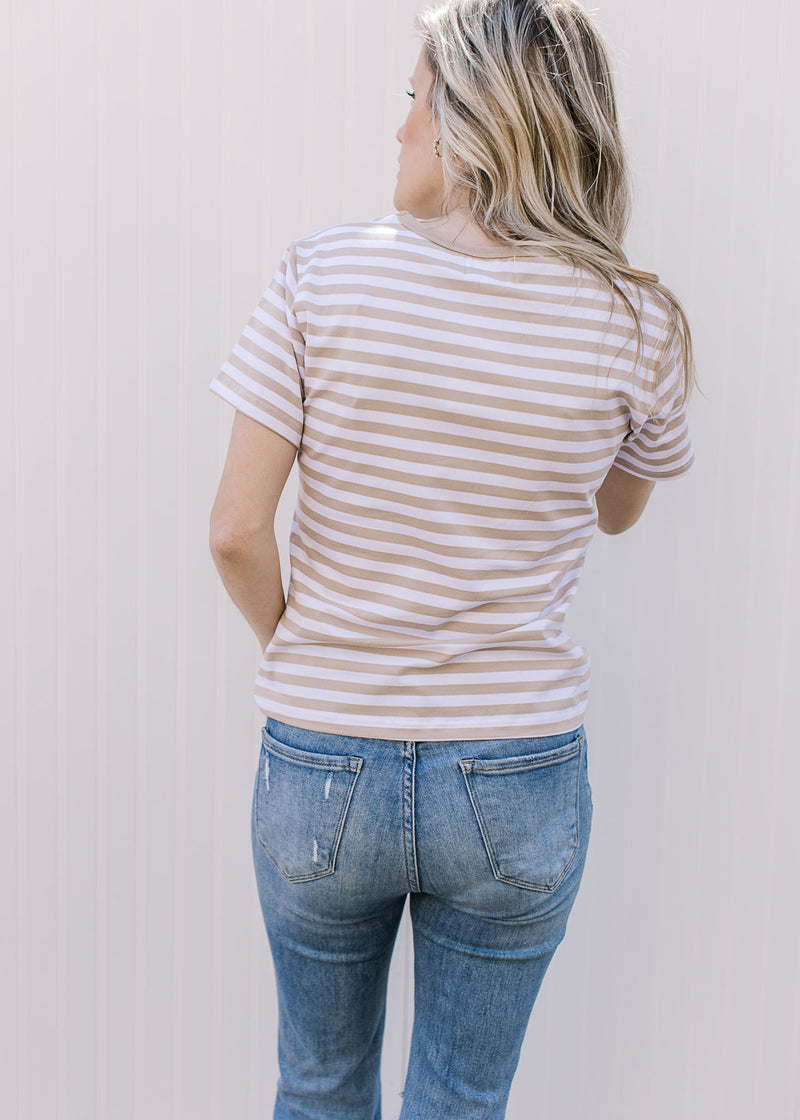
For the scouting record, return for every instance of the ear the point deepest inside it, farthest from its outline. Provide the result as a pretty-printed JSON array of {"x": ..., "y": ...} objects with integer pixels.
[{"x": 255, "y": 472}]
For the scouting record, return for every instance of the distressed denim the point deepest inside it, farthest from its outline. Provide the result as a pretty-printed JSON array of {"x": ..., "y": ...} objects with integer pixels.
[{"x": 488, "y": 838}]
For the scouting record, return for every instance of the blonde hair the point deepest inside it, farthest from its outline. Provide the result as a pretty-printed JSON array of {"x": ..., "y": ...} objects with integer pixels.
[{"x": 523, "y": 100}]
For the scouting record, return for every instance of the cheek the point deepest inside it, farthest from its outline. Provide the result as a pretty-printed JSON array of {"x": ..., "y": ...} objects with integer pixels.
[{"x": 417, "y": 124}]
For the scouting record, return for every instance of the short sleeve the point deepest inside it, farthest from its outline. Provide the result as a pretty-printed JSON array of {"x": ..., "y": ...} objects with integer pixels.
[
  {"x": 263, "y": 375},
  {"x": 661, "y": 447}
]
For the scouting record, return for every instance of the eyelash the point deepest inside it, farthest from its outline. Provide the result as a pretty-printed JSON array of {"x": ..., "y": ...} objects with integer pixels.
[{"x": 410, "y": 94}]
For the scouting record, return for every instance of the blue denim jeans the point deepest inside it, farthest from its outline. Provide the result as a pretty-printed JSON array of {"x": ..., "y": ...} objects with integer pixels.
[{"x": 489, "y": 839}]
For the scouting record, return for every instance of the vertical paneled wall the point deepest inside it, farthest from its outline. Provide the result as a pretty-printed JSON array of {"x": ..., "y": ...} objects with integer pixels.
[{"x": 159, "y": 158}]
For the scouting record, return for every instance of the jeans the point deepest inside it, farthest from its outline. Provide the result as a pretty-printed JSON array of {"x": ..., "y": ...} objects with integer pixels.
[{"x": 489, "y": 839}]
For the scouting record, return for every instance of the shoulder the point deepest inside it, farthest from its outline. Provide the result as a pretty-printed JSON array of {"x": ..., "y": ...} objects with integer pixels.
[
  {"x": 354, "y": 236},
  {"x": 653, "y": 312}
]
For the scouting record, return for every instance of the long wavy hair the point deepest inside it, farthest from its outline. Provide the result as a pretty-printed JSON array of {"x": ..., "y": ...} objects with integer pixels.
[{"x": 523, "y": 100}]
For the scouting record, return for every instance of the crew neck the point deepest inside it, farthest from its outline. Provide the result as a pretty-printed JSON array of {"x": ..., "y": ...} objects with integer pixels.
[{"x": 420, "y": 226}]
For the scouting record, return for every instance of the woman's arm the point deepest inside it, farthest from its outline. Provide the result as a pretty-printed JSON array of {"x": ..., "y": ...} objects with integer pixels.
[
  {"x": 241, "y": 535},
  {"x": 621, "y": 499}
]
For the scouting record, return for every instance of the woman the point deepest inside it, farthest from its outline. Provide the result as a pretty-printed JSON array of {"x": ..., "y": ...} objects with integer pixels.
[{"x": 472, "y": 384}]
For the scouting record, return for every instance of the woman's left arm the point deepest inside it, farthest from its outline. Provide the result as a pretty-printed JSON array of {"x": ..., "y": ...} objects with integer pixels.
[{"x": 242, "y": 535}]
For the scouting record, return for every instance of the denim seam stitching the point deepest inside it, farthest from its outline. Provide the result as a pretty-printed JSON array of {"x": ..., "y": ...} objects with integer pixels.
[
  {"x": 314, "y": 761},
  {"x": 410, "y": 849},
  {"x": 521, "y": 767}
]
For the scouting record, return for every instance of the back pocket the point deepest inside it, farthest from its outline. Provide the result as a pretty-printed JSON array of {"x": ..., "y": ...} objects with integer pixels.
[
  {"x": 302, "y": 800},
  {"x": 528, "y": 813}
]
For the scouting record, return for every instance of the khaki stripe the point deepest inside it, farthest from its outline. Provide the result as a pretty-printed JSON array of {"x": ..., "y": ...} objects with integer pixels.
[
  {"x": 354, "y": 482},
  {"x": 534, "y": 376}
]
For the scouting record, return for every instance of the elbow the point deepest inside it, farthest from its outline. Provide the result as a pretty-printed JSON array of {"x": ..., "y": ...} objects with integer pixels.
[
  {"x": 614, "y": 528},
  {"x": 218, "y": 536},
  {"x": 233, "y": 535},
  {"x": 237, "y": 544},
  {"x": 228, "y": 544},
  {"x": 223, "y": 548},
  {"x": 611, "y": 526}
]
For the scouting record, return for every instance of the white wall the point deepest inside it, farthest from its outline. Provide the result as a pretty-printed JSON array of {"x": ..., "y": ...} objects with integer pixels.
[{"x": 163, "y": 155}]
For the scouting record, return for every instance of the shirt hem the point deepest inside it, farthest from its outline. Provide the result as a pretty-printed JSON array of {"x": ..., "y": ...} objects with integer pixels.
[{"x": 337, "y": 723}]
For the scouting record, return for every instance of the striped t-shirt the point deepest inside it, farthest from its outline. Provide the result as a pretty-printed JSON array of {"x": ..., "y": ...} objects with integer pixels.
[{"x": 455, "y": 409}]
